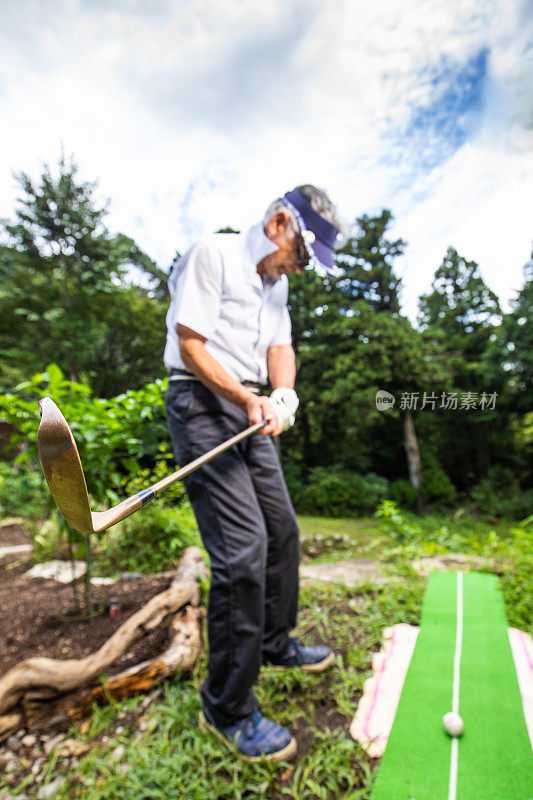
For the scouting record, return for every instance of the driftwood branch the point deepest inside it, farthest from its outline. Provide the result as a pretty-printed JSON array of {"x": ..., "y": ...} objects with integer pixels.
[
  {"x": 9, "y": 723},
  {"x": 180, "y": 656},
  {"x": 47, "y": 678}
]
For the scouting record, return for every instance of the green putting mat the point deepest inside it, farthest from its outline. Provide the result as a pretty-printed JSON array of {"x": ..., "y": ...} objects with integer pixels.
[{"x": 494, "y": 759}]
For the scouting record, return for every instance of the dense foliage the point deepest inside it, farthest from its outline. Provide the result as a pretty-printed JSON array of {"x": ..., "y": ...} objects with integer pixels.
[
  {"x": 82, "y": 318},
  {"x": 66, "y": 293}
]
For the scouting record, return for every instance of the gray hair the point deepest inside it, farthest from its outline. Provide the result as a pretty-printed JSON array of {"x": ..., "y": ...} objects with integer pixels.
[
  {"x": 319, "y": 202},
  {"x": 272, "y": 210}
]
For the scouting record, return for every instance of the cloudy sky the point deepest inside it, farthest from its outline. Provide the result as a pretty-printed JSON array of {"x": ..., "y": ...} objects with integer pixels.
[{"x": 194, "y": 114}]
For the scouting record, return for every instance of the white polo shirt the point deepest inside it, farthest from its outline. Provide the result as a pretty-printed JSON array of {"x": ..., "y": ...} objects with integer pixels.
[{"x": 215, "y": 290}]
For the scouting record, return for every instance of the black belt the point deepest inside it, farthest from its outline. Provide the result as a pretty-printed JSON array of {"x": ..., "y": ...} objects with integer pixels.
[
  {"x": 185, "y": 375},
  {"x": 182, "y": 375}
]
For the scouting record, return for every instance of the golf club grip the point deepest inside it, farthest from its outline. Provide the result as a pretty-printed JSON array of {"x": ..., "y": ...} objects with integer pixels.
[{"x": 148, "y": 494}]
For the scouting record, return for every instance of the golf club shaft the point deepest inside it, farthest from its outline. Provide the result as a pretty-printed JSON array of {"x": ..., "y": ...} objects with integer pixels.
[{"x": 104, "y": 519}]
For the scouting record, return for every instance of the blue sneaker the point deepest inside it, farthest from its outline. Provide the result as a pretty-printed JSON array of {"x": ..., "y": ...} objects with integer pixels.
[
  {"x": 254, "y": 738},
  {"x": 310, "y": 659}
]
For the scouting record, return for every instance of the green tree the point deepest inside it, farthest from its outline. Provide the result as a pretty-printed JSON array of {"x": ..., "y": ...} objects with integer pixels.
[
  {"x": 508, "y": 364},
  {"x": 461, "y": 315},
  {"x": 325, "y": 314},
  {"x": 513, "y": 347},
  {"x": 460, "y": 307},
  {"x": 347, "y": 349},
  {"x": 367, "y": 261},
  {"x": 66, "y": 288}
]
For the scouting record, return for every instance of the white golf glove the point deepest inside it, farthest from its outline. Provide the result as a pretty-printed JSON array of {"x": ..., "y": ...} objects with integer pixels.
[{"x": 285, "y": 403}]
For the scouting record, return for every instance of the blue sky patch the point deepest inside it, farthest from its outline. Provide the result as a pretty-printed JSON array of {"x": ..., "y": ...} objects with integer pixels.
[{"x": 441, "y": 126}]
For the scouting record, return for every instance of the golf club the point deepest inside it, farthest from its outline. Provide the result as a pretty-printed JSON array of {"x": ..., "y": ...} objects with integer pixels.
[{"x": 63, "y": 471}]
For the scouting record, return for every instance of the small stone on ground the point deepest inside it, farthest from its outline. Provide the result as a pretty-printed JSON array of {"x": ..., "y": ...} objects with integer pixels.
[
  {"x": 52, "y": 743},
  {"x": 60, "y": 571},
  {"x": 446, "y": 561},
  {"x": 11, "y": 550},
  {"x": 352, "y": 573},
  {"x": 11, "y": 521},
  {"x": 71, "y": 747},
  {"x": 51, "y": 789}
]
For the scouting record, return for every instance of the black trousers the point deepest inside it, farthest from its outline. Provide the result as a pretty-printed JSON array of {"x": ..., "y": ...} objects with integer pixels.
[{"x": 248, "y": 526}]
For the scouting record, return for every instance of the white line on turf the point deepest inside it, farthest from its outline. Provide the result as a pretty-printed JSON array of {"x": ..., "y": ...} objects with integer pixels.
[{"x": 454, "y": 757}]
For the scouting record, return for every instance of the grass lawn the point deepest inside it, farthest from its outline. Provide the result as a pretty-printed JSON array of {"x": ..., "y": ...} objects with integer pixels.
[
  {"x": 325, "y": 539},
  {"x": 361, "y": 530},
  {"x": 159, "y": 752}
]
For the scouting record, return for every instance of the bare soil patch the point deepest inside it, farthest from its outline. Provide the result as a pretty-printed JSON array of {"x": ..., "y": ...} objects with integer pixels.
[
  {"x": 37, "y": 616},
  {"x": 32, "y": 622},
  {"x": 14, "y": 534}
]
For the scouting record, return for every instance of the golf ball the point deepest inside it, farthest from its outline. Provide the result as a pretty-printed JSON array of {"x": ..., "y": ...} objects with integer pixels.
[{"x": 453, "y": 724}]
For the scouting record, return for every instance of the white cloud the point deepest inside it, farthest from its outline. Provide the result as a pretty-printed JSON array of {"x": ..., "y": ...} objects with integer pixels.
[
  {"x": 476, "y": 204},
  {"x": 194, "y": 115}
]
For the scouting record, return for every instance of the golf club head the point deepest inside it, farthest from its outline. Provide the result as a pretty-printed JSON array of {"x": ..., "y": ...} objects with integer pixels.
[{"x": 62, "y": 467}]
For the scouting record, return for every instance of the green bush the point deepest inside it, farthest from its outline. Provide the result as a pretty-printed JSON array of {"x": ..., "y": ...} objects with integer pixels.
[
  {"x": 23, "y": 491},
  {"x": 403, "y": 494},
  {"x": 437, "y": 488},
  {"x": 117, "y": 439},
  {"x": 394, "y": 524},
  {"x": 517, "y": 505},
  {"x": 516, "y": 582},
  {"x": 341, "y": 493},
  {"x": 499, "y": 495},
  {"x": 149, "y": 542},
  {"x": 337, "y": 492},
  {"x": 49, "y": 541},
  {"x": 114, "y": 437},
  {"x": 146, "y": 476},
  {"x": 295, "y": 483}
]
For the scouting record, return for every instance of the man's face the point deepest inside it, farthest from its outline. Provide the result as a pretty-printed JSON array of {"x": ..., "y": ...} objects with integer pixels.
[{"x": 288, "y": 257}]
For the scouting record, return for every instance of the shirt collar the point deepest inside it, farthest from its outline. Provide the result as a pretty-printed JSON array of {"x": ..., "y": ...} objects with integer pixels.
[{"x": 258, "y": 245}]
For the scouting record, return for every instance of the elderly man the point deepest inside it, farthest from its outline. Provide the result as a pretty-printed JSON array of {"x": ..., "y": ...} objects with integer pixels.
[{"x": 228, "y": 334}]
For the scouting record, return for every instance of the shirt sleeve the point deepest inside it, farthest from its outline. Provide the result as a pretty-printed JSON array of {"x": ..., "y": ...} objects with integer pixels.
[
  {"x": 196, "y": 289},
  {"x": 282, "y": 332}
]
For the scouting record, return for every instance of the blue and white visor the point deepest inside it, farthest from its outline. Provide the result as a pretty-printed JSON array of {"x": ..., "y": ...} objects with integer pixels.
[{"x": 318, "y": 234}]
